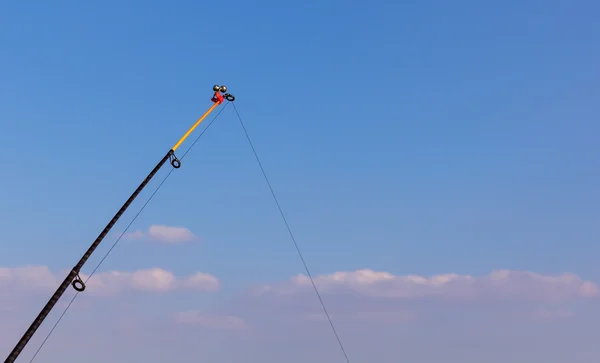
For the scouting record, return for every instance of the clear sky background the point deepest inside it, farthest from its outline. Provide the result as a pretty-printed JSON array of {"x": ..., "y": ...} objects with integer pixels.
[{"x": 405, "y": 140}]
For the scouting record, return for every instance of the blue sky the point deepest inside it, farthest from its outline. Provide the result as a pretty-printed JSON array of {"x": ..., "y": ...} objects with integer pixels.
[{"x": 408, "y": 138}]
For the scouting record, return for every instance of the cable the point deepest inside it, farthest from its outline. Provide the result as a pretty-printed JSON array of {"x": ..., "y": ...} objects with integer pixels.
[
  {"x": 122, "y": 234},
  {"x": 292, "y": 236}
]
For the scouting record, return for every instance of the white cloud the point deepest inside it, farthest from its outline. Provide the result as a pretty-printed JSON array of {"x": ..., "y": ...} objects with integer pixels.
[
  {"x": 27, "y": 277},
  {"x": 498, "y": 285},
  {"x": 163, "y": 234},
  {"x": 41, "y": 278},
  {"x": 150, "y": 280}
]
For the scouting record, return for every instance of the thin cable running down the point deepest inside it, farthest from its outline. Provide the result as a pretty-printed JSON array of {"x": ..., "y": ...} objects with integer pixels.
[
  {"x": 292, "y": 236},
  {"x": 122, "y": 234}
]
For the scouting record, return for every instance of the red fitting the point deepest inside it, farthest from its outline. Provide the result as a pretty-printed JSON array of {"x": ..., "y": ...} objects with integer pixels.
[{"x": 217, "y": 98}]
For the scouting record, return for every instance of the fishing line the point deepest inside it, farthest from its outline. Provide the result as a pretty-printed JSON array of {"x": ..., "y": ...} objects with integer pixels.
[
  {"x": 123, "y": 233},
  {"x": 291, "y": 235}
]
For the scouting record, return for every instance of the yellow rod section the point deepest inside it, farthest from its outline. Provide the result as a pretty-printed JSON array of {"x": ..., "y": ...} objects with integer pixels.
[{"x": 194, "y": 126}]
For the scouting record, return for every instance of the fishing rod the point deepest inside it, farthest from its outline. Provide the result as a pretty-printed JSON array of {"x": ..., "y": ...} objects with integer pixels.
[{"x": 73, "y": 277}]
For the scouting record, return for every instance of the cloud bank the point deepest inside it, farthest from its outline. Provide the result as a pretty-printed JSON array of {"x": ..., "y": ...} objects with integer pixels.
[
  {"x": 499, "y": 285},
  {"x": 372, "y": 310}
]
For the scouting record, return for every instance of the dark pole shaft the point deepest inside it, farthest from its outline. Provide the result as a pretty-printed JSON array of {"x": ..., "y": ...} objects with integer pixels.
[{"x": 75, "y": 271}]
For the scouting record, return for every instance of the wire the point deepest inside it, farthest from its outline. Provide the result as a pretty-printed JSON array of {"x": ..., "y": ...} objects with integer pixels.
[
  {"x": 122, "y": 234},
  {"x": 292, "y": 236}
]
